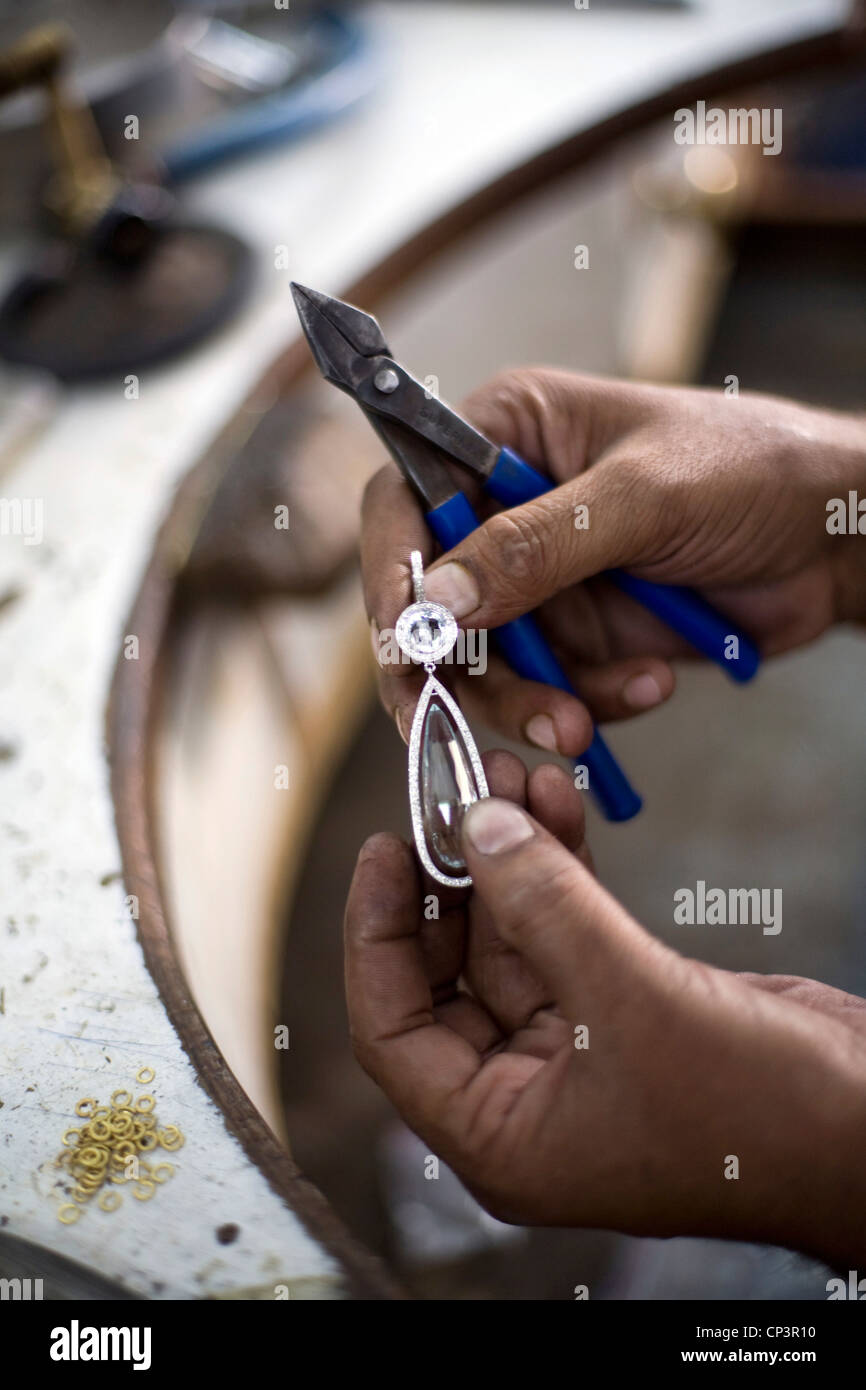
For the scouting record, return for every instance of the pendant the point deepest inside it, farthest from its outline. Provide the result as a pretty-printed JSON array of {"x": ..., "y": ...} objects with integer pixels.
[{"x": 445, "y": 771}]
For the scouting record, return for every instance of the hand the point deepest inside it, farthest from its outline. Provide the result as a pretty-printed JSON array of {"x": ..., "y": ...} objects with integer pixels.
[
  {"x": 687, "y": 487},
  {"x": 469, "y": 1025}
]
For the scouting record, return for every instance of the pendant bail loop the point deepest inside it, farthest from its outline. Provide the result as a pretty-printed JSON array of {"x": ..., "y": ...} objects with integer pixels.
[{"x": 417, "y": 564}]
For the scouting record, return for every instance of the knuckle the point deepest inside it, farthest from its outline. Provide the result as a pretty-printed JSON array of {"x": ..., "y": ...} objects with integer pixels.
[
  {"x": 508, "y": 390},
  {"x": 635, "y": 479},
  {"x": 513, "y": 403},
  {"x": 364, "y": 1053},
  {"x": 518, "y": 550},
  {"x": 643, "y": 493},
  {"x": 648, "y": 482}
]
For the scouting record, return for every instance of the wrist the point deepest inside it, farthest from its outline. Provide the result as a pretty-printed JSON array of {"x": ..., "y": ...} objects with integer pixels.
[
  {"x": 829, "y": 1216},
  {"x": 803, "y": 1145}
]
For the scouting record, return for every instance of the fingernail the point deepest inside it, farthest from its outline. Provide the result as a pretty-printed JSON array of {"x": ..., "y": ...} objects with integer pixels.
[
  {"x": 642, "y": 692},
  {"x": 453, "y": 587},
  {"x": 540, "y": 731},
  {"x": 493, "y": 826}
]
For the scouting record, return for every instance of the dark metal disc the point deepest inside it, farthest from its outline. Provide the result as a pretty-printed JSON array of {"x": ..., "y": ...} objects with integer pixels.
[{"x": 99, "y": 319}]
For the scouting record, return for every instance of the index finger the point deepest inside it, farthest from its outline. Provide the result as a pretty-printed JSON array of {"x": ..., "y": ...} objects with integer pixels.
[{"x": 392, "y": 526}]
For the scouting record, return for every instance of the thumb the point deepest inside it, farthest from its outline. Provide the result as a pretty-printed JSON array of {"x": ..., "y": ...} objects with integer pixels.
[
  {"x": 584, "y": 946},
  {"x": 610, "y": 515}
]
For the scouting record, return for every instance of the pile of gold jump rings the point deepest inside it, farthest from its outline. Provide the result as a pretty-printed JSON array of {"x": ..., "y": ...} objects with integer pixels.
[{"x": 108, "y": 1150}]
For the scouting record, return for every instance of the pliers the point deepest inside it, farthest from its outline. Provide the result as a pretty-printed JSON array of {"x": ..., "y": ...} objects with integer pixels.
[{"x": 418, "y": 429}]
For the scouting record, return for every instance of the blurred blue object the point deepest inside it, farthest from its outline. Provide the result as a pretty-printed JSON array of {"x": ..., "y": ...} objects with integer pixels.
[
  {"x": 833, "y": 135},
  {"x": 349, "y": 73}
]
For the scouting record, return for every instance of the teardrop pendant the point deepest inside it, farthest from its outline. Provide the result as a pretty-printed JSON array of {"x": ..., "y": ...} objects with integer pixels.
[
  {"x": 445, "y": 777},
  {"x": 445, "y": 772}
]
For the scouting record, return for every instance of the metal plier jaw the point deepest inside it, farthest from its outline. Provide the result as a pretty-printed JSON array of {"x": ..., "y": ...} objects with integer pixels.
[{"x": 352, "y": 354}]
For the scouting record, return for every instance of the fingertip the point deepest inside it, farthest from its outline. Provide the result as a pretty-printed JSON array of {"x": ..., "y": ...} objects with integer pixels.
[
  {"x": 565, "y": 727},
  {"x": 555, "y": 721},
  {"x": 650, "y": 687},
  {"x": 454, "y": 586},
  {"x": 494, "y": 826},
  {"x": 554, "y": 801},
  {"x": 506, "y": 775},
  {"x": 553, "y": 777},
  {"x": 383, "y": 846},
  {"x": 623, "y": 689},
  {"x": 385, "y": 878},
  {"x": 540, "y": 731}
]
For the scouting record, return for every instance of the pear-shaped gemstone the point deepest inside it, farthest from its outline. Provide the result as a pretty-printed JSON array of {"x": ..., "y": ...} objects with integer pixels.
[{"x": 447, "y": 785}]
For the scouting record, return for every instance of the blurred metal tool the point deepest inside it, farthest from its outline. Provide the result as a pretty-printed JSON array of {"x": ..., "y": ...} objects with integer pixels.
[
  {"x": 233, "y": 60},
  {"x": 209, "y": 82},
  {"x": 126, "y": 285},
  {"x": 84, "y": 183},
  {"x": 279, "y": 90}
]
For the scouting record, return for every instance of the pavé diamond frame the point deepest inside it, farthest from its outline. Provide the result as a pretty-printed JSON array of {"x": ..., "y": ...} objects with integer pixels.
[{"x": 431, "y": 689}]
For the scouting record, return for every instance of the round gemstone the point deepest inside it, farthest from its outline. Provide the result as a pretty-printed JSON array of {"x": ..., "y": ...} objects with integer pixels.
[{"x": 426, "y": 632}]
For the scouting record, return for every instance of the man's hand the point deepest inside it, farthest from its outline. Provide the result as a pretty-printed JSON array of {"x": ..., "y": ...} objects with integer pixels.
[
  {"x": 727, "y": 495},
  {"x": 573, "y": 1070}
]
